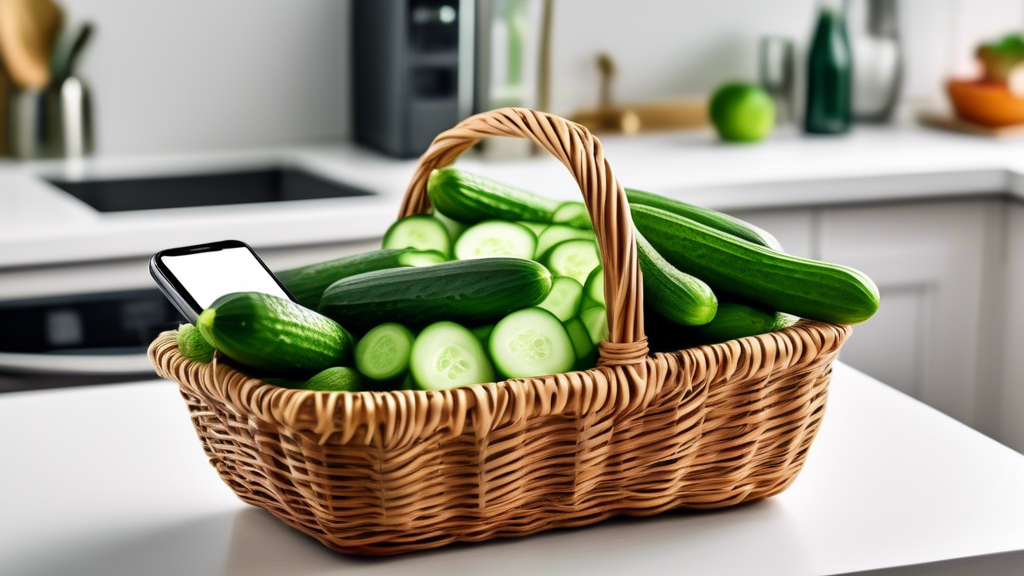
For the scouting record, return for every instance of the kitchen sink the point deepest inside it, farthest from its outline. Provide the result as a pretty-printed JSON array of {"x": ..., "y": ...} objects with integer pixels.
[{"x": 181, "y": 191}]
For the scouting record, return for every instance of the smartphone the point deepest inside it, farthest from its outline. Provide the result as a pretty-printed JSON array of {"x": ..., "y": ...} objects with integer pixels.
[{"x": 194, "y": 276}]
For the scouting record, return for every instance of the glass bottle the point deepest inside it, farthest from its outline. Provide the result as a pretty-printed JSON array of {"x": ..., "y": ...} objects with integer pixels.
[{"x": 829, "y": 75}]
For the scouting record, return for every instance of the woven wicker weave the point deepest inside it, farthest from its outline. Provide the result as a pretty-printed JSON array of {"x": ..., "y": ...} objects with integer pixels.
[{"x": 390, "y": 472}]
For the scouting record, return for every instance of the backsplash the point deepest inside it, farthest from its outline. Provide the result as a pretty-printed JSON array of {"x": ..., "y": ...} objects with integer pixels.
[{"x": 193, "y": 75}]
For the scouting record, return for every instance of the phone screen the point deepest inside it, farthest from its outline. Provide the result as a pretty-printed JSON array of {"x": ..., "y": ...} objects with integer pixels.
[{"x": 207, "y": 276}]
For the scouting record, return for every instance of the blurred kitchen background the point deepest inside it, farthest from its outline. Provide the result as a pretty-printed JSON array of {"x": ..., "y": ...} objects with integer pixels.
[{"x": 133, "y": 126}]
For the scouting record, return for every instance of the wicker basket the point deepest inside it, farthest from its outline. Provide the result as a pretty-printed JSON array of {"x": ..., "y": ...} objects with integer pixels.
[{"x": 390, "y": 472}]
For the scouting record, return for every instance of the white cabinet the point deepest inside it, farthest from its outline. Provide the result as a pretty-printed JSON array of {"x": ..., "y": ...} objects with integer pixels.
[
  {"x": 930, "y": 262},
  {"x": 1010, "y": 398},
  {"x": 794, "y": 228}
]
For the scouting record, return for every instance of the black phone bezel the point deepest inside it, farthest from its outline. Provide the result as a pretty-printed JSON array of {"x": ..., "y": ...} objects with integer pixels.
[{"x": 176, "y": 291}]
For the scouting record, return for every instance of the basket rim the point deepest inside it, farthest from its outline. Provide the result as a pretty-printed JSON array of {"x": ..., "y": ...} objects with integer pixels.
[{"x": 305, "y": 410}]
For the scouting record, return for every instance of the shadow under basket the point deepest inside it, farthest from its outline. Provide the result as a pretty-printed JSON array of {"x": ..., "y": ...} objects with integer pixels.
[{"x": 390, "y": 472}]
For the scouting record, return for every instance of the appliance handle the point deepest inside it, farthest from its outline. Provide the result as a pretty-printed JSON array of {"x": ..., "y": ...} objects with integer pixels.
[{"x": 75, "y": 364}]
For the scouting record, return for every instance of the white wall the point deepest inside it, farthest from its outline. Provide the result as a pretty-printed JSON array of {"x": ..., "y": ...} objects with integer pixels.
[{"x": 195, "y": 74}]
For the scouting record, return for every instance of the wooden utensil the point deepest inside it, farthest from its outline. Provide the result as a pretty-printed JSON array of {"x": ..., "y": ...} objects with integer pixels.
[{"x": 28, "y": 29}]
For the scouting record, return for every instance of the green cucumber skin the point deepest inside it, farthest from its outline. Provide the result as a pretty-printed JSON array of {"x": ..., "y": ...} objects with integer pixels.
[
  {"x": 465, "y": 291},
  {"x": 706, "y": 216},
  {"x": 307, "y": 283},
  {"x": 335, "y": 379},
  {"x": 806, "y": 288},
  {"x": 737, "y": 320},
  {"x": 468, "y": 198},
  {"x": 274, "y": 334},
  {"x": 676, "y": 295},
  {"x": 193, "y": 346}
]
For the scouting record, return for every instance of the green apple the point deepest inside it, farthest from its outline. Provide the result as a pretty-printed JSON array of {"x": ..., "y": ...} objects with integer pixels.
[{"x": 742, "y": 112}]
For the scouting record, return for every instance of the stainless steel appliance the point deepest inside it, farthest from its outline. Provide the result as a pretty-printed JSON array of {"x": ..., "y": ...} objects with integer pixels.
[{"x": 412, "y": 72}]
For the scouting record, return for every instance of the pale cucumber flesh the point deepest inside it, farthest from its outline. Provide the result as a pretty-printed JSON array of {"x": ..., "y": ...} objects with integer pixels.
[
  {"x": 531, "y": 342},
  {"x": 446, "y": 355},
  {"x": 420, "y": 232},
  {"x": 383, "y": 353},
  {"x": 564, "y": 299},
  {"x": 496, "y": 238}
]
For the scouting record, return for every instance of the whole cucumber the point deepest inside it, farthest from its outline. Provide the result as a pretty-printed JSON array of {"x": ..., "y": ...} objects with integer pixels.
[
  {"x": 806, "y": 288},
  {"x": 192, "y": 345},
  {"x": 738, "y": 320},
  {"x": 274, "y": 334},
  {"x": 474, "y": 291},
  {"x": 307, "y": 283},
  {"x": 707, "y": 217},
  {"x": 676, "y": 295},
  {"x": 470, "y": 199}
]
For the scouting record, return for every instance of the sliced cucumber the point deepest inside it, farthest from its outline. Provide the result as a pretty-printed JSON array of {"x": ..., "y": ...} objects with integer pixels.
[
  {"x": 557, "y": 233},
  {"x": 531, "y": 342},
  {"x": 593, "y": 290},
  {"x": 421, "y": 232},
  {"x": 496, "y": 238},
  {"x": 573, "y": 258},
  {"x": 446, "y": 355},
  {"x": 454, "y": 227},
  {"x": 483, "y": 333},
  {"x": 574, "y": 214},
  {"x": 416, "y": 258},
  {"x": 336, "y": 379},
  {"x": 564, "y": 299},
  {"x": 383, "y": 353},
  {"x": 586, "y": 351},
  {"x": 535, "y": 227},
  {"x": 596, "y": 321}
]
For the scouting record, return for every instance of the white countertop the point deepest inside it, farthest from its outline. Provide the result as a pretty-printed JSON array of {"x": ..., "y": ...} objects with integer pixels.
[
  {"x": 112, "y": 480},
  {"x": 41, "y": 225}
]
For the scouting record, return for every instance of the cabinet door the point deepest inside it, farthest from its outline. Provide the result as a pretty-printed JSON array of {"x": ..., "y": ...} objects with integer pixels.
[
  {"x": 794, "y": 228},
  {"x": 928, "y": 260},
  {"x": 1010, "y": 400}
]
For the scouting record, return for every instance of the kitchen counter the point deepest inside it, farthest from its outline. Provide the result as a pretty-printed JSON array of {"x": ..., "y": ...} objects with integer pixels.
[
  {"x": 111, "y": 480},
  {"x": 41, "y": 225}
]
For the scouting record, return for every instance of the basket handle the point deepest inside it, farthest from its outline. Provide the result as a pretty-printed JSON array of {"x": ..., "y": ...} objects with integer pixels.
[{"x": 583, "y": 155}]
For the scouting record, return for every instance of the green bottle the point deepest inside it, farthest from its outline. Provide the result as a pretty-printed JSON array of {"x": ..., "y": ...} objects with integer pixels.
[{"x": 829, "y": 74}]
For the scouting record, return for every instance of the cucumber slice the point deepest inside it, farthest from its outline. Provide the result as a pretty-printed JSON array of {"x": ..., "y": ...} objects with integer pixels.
[
  {"x": 586, "y": 351},
  {"x": 593, "y": 289},
  {"x": 573, "y": 258},
  {"x": 564, "y": 299},
  {"x": 574, "y": 214},
  {"x": 496, "y": 238},
  {"x": 535, "y": 227},
  {"x": 454, "y": 227},
  {"x": 414, "y": 258},
  {"x": 336, "y": 379},
  {"x": 596, "y": 321},
  {"x": 557, "y": 233},
  {"x": 531, "y": 342},
  {"x": 421, "y": 232},
  {"x": 384, "y": 352},
  {"x": 483, "y": 333},
  {"x": 446, "y": 355}
]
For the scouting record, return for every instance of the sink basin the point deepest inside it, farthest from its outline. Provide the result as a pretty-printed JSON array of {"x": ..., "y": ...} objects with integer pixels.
[{"x": 181, "y": 191}]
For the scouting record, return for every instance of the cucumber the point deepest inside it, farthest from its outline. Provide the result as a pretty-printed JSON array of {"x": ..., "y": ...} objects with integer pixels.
[
  {"x": 557, "y": 233},
  {"x": 274, "y": 334},
  {"x": 806, "y": 288},
  {"x": 383, "y": 353},
  {"x": 336, "y": 379},
  {"x": 738, "y": 320},
  {"x": 675, "y": 295},
  {"x": 564, "y": 299},
  {"x": 573, "y": 258},
  {"x": 535, "y": 227},
  {"x": 573, "y": 214},
  {"x": 470, "y": 199},
  {"x": 496, "y": 238},
  {"x": 593, "y": 289},
  {"x": 531, "y": 342},
  {"x": 596, "y": 321},
  {"x": 420, "y": 232},
  {"x": 446, "y": 355},
  {"x": 193, "y": 346},
  {"x": 713, "y": 218},
  {"x": 483, "y": 333},
  {"x": 586, "y": 351},
  {"x": 454, "y": 227},
  {"x": 471, "y": 291},
  {"x": 307, "y": 283}
]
